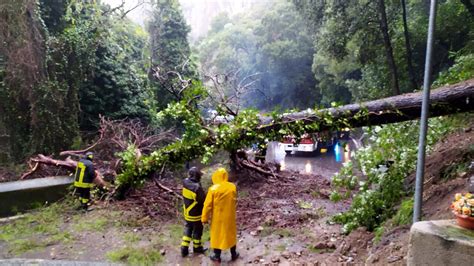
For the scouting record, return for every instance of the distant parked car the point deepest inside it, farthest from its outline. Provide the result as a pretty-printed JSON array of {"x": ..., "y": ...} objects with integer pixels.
[
  {"x": 308, "y": 143},
  {"x": 311, "y": 142}
]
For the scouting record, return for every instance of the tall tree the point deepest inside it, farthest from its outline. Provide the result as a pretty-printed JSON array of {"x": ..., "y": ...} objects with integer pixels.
[
  {"x": 409, "y": 54},
  {"x": 388, "y": 47},
  {"x": 170, "y": 51},
  {"x": 270, "y": 46},
  {"x": 117, "y": 86}
]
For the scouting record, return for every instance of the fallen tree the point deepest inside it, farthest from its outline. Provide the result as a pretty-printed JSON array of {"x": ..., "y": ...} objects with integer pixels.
[
  {"x": 114, "y": 136},
  {"x": 67, "y": 164},
  {"x": 249, "y": 127},
  {"x": 447, "y": 100},
  {"x": 202, "y": 140}
]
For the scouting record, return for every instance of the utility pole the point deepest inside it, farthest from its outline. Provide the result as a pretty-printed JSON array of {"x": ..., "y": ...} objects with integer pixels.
[{"x": 420, "y": 164}]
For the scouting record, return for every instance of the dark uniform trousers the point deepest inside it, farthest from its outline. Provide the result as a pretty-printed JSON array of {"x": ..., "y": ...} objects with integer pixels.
[
  {"x": 192, "y": 231},
  {"x": 84, "y": 195}
]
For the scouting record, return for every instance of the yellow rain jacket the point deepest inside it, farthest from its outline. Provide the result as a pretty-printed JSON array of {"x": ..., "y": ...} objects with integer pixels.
[{"x": 220, "y": 207}]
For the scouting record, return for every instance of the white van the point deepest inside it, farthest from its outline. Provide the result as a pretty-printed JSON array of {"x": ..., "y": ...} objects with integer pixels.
[{"x": 308, "y": 143}]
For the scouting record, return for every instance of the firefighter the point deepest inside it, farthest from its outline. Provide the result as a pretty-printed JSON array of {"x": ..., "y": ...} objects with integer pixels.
[
  {"x": 261, "y": 153},
  {"x": 83, "y": 179},
  {"x": 220, "y": 208},
  {"x": 193, "y": 200}
]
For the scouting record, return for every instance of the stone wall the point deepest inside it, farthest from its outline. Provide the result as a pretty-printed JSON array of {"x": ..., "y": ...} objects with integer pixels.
[{"x": 440, "y": 243}]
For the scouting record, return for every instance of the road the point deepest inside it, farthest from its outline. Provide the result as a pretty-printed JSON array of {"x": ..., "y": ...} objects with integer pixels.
[{"x": 325, "y": 164}]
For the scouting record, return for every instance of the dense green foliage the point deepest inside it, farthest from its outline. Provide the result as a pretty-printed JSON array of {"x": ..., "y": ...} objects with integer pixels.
[
  {"x": 118, "y": 85},
  {"x": 350, "y": 61},
  {"x": 381, "y": 187},
  {"x": 110, "y": 71},
  {"x": 462, "y": 69},
  {"x": 270, "y": 44},
  {"x": 76, "y": 61}
]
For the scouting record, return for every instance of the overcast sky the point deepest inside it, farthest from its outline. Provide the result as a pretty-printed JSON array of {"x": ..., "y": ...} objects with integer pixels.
[
  {"x": 198, "y": 13},
  {"x": 138, "y": 15}
]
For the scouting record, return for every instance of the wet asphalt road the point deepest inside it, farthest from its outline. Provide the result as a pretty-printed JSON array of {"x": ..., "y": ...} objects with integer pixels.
[{"x": 325, "y": 164}]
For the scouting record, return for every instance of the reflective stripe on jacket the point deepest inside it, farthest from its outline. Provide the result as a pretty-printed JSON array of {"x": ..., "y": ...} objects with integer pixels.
[
  {"x": 85, "y": 174},
  {"x": 193, "y": 200}
]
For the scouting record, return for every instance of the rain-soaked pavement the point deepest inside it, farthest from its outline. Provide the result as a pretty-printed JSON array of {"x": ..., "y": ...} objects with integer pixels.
[{"x": 325, "y": 164}]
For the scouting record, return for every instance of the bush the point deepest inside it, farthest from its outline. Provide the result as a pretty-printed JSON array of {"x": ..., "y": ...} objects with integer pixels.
[
  {"x": 463, "y": 69},
  {"x": 404, "y": 214},
  {"x": 381, "y": 185}
]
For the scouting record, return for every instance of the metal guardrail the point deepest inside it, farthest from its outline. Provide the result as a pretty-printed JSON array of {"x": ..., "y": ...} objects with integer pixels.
[{"x": 19, "y": 196}]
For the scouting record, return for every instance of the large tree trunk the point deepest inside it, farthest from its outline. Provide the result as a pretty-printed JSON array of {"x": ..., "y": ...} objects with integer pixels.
[
  {"x": 388, "y": 48},
  {"x": 443, "y": 101},
  {"x": 411, "y": 71}
]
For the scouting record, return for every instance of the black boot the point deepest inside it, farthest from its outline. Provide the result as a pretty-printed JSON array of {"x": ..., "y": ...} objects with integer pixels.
[
  {"x": 200, "y": 250},
  {"x": 215, "y": 258},
  {"x": 184, "y": 251},
  {"x": 235, "y": 256}
]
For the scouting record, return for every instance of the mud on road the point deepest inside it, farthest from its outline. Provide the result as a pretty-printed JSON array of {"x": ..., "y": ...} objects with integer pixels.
[
  {"x": 280, "y": 222},
  {"x": 286, "y": 222},
  {"x": 291, "y": 217}
]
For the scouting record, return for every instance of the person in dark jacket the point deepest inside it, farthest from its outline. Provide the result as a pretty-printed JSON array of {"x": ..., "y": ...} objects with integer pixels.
[
  {"x": 84, "y": 178},
  {"x": 193, "y": 201}
]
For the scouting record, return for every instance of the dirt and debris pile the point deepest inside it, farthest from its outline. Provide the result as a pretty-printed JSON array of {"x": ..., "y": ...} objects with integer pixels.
[
  {"x": 7, "y": 174},
  {"x": 153, "y": 201}
]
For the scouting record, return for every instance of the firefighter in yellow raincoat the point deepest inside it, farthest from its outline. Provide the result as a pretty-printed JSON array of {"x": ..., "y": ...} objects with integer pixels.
[{"x": 220, "y": 208}]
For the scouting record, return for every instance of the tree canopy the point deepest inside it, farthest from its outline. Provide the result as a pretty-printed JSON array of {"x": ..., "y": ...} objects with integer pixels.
[
  {"x": 271, "y": 43},
  {"x": 364, "y": 48},
  {"x": 71, "y": 61}
]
